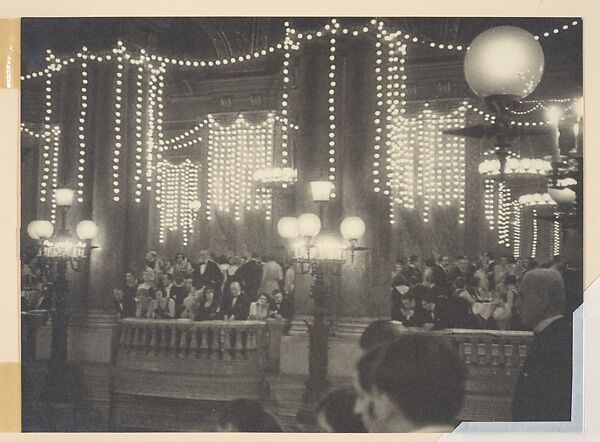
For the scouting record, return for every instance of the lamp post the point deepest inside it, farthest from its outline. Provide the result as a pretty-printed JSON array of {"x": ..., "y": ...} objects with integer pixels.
[
  {"x": 57, "y": 250},
  {"x": 320, "y": 254},
  {"x": 503, "y": 65}
]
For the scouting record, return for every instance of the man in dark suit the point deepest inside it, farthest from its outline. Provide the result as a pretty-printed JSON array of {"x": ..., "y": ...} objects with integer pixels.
[
  {"x": 543, "y": 391},
  {"x": 280, "y": 306},
  {"x": 236, "y": 306},
  {"x": 207, "y": 273},
  {"x": 250, "y": 275},
  {"x": 412, "y": 273}
]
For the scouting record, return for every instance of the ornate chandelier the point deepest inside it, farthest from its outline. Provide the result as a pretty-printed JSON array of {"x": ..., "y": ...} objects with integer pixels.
[
  {"x": 275, "y": 176},
  {"x": 516, "y": 167}
]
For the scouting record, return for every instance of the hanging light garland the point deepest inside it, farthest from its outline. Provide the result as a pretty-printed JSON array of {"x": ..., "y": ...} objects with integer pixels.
[
  {"x": 139, "y": 143},
  {"x": 326, "y": 30},
  {"x": 331, "y": 115},
  {"x": 516, "y": 237},
  {"x": 55, "y": 159},
  {"x": 378, "y": 115},
  {"x": 46, "y": 136},
  {"x": 418, "y": 144},
  {"x": 118, "y": 122},
  {"x": 235, "y": 153},
  {"x": 555, "y": 236},
  {"x": 180, "y": 190},
  {"x": 82, "y": 122},
  {"x": 534, "y": 238},
  {"x": 488, "y": 201},
  {"x": 504, "y": 207}
]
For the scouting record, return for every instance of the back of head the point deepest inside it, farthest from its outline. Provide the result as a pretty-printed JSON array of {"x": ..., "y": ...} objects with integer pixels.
[
  {"x": 544, "y": 290},
  {"x": 247, "y": 415},
  {"x": 337, "y": 409},
  {"x": 424, "y": 378},
  {"x": 377, "y": 333}
]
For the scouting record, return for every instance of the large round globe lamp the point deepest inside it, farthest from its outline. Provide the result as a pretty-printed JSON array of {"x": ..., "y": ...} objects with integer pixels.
[{"x": 504, "y": 64}]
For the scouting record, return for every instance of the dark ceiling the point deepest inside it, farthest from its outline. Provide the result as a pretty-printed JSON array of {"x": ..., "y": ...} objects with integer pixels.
[{"x": 209, "y": 37}]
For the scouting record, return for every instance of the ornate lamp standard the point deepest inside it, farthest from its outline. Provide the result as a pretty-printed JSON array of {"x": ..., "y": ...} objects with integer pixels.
[
  {"x": 320, "y": 254},
  {"x": 503, "y": 65},
  {"x": 57, "y": 249}
]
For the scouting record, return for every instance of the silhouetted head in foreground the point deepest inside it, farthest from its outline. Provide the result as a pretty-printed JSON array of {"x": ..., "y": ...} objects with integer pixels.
[
  {"x": 416, "y": 383},
  {"x": 335, "y": 412},
  {"x": 247, "y": 415}
]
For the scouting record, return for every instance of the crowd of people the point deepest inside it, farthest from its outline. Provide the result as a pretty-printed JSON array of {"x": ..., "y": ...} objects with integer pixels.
[
  {"x": 460, "y": 293},
  {"x": 212, "y": 288},
  {"x": 416, "y": 382}
]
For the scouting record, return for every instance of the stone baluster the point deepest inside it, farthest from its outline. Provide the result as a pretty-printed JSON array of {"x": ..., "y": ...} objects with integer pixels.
[
  {"x": 215, "y": 348},
  {"x": 124, "y": 339},
  {"x": 154, "y": 340},
  {"x": 483, "y": 354},
  {"x": 522, "y": 352},
  {"x": 495, "y": 353},
  {"x": 467, "y": 351},
  {"x": 509, "y": 355},
  {"x": 225, "y": 339},
  {"x": 194, "y": 348},
  {"x": 173, "y": 344},
  {"x": 164, "y": 342},
  {"x": 203, "y": 334},
  {"x": 183, "y": 342},
  {"x": 239, "y": 349},
  {"x": 251, "y": 340},
  {"x": 146, "y": 336},
  {"x": 135, "y": 342}
]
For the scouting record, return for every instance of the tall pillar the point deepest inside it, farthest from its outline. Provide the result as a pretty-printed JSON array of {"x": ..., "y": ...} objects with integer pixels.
[{"x": 108, "y": 261}]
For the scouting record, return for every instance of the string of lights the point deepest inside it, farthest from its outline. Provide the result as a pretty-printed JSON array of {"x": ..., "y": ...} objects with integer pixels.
[
  {"x": 285, "y": 96},
  {"x": 516, "y": 237},
  {"x": 555, "y": 236},
  {"x": 47, "y": 136},
  {"x": 534, "y": 239},
  {"x": 118, "y": 123},
  {"x": 378, "y": 114},
  {"x": 82, "y": 123},
  {"x": 328, "y": 29},
  {"x": 139, "y": 103},
  {"x": 55, "y": 162},
  {"x": 331, "y": 115},
  {"x": 235, "y": 152}
]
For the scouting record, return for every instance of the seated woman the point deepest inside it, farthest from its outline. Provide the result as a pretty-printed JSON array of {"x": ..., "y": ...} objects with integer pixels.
[
  {"x": 145, "y": 293},
  {"x": 259, "y": 310},
  {"x": 209, "y": 309},
  {"x": 191, "y": 305},
  {"x": 165, "y": 306}
]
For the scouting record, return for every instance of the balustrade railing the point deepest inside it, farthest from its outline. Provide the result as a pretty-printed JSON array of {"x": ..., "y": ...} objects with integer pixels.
[{"x": 211, "y": 340}]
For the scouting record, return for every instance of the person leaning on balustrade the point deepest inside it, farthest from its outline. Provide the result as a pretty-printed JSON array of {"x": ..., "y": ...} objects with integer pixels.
[
  {"x": 191, "y": 305},
  {"x": 543, "y": 390},
  {"x": 280, "y": 306},
  {"x": 209, "y": 308},
  {"x": 237, "y": 305},
  {"x": 145, "y": 293},
  {"x": 414, "y": 384},
  {"x": 259, "y": 310}
]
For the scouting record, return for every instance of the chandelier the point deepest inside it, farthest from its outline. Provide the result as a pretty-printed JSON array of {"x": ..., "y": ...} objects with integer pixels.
[
  {"x": 275, "y": 176},
  {"x": 516, "y": 167},
  {"x": 537, "y": 199}
]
